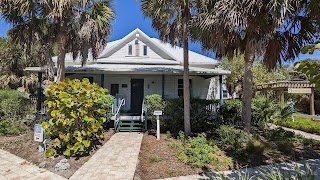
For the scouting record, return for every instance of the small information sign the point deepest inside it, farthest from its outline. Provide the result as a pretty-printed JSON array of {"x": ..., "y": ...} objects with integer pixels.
[
  {"x": 157, "y": 113},
  {"x": 38, "y": 133}
]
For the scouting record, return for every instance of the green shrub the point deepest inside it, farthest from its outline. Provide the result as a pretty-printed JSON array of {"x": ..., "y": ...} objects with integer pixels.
[
  {"x": 154, "y": 102},
  {"x": 13, "y": 104},
  {"x": 77, "y": 112},
  {"x": 230, "y": 114},
  {"x": 197, "y": 151},
  {"x": 301, "y": 123},
  {"x": 14, "y": 107},
  {"x": 200, "y": 117},
  {"x": 238, "y": 142}
]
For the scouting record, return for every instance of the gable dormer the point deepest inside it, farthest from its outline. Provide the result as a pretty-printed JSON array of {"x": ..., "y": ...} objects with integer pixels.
[{"x": 136, "y": 45}]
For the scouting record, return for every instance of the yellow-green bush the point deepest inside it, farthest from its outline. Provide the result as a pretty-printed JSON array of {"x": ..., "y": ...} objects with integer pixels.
[{"x": 78, "y": 110}]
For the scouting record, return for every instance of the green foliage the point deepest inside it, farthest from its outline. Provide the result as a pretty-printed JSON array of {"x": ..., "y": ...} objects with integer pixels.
[
  {"x": 154, "y": 102},
  {"x": 301, "y": 123},
  {"x": 264, "y": 110},
  {"x": 154, "y": 159},
  {"x": 238, "y": 142},
  {"x": 14, "y": 106},
  {"x": 311, "y": 69},
  {"x": 231, "y": 112},
  {"x": 77, "y": 112},
  {"x": 200, "y": 116},
  {"x": 172, "y": 119},
  {"x": 197, "y": 151},
  {"x": 310, "y": 48},
  {"x": 261, "y": 74}
]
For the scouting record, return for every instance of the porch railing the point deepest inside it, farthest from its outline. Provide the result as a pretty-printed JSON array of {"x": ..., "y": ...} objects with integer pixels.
[{"x": 117, "y": 114}]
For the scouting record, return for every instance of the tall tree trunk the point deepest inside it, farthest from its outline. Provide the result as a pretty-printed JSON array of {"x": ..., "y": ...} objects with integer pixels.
[
  {"x": 186, "y": 83},
  {"x": 247, "y": 87},
  {"x": 62, "y": 38}
]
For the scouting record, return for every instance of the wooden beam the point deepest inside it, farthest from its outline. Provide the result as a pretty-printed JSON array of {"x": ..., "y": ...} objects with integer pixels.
[{"x": 312, "y": 102}]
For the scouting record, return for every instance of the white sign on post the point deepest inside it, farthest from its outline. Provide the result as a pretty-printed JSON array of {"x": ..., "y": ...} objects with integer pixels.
[
  {"x": 158, "y": 113},
  {"x": 38, "y": 133}
]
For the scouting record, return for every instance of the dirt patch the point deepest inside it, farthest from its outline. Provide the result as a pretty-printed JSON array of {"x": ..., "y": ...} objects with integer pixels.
[
  {"x": 158, "y": 160},
  {"x": 24, "y": 147}
]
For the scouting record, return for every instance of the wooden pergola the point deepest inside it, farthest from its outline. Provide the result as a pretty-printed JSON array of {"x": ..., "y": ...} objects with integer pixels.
[{"x": 292, "y": 87}]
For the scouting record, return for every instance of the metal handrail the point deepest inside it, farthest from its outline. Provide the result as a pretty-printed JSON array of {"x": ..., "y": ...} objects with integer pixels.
[
  {"x": 117, "y": 115},
  {"x": 142, "y": 110}
]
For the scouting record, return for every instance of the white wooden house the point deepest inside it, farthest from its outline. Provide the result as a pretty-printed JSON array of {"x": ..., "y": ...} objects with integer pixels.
[{"x": 137, "y": 65}]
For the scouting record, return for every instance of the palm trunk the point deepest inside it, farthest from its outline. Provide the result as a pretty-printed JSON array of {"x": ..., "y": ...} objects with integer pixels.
[
  {"x": 247, "y": 87},
  {"x": 186, "y": 84},
  {"x": 62, "y": 38}
]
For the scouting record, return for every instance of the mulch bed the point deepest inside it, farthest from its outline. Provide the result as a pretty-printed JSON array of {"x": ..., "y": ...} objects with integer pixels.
[
  {"x": 24, "y": 147},
  {"x": 158, "y": 160},
  {"x": 168, "y": 164}
]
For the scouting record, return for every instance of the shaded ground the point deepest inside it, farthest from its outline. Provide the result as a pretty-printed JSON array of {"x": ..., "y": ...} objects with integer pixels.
[
  {"x": 24, "y": 147},
  {"x": 157, "y": 160}
]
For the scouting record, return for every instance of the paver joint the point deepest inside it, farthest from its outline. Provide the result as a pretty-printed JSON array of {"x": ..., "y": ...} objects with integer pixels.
[
  {"x": 14, "y": 167},
  {"x": 108, "y": 162}
]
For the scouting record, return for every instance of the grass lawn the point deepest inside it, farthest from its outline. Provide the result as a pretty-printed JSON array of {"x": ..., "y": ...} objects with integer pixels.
[{"x": 303, "y": 124}]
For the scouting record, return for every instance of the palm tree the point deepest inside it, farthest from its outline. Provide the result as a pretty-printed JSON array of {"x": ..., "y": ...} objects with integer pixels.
[
  {"x": 273, "y": 30},
  {"x": 172, "y": 21},
  {"x": 69, "y": 23}
]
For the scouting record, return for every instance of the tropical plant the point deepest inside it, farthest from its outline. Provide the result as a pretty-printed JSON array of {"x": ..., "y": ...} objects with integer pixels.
[
  {"x": 76, "y": 26},
  {"x": 311, "y": 69},
  {"x": 77, "y": 112},
  {"x": 261, "y": 75},
  {"x": 272, "y": 30},
  {"x": 172, "y": 20}
]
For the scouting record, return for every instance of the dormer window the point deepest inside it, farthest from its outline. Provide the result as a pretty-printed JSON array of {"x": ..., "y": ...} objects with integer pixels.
[
  {"x": 145, "y": 50},
  {"x": 130, "y": 50}
]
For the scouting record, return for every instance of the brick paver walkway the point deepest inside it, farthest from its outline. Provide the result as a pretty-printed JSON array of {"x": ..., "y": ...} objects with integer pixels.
[
  {"x": 117, "y": 159},
  {"x": 14, "y": 167},
  {"x": 297, "y": 132}
]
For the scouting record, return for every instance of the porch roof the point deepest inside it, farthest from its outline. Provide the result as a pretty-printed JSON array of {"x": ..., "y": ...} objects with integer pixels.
[
  {"x": 285, "y": 85},
  {"x": 143, "y": 69}
]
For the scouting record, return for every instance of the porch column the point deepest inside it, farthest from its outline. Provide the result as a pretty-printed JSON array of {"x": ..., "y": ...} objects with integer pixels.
[
  {"x": 39, "y": 92},
  {"x": 102, "y": 80},
  {"x": 163, "y": 78},
  {"x": 312, "y": 102},
  {"x": 221, "y": 91}
]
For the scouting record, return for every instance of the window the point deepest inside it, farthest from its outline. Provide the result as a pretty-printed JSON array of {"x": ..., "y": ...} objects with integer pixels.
[
  {"x": 90, "y": 79},
  {"x": 136, "y": 42},
  {"x": 225, "y": 93},
  {"x": 114, "y": 89},
  {"x": 145, "y": 49},
  {"x": 180, "y": 87},
  {"x": 130, "y": 50}
]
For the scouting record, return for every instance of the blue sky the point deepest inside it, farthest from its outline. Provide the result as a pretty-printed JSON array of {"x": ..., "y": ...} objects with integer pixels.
[{"x": 129, "y": 17}]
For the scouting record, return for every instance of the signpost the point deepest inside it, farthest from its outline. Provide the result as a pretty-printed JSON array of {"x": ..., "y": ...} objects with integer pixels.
[
  {"x": 38, "y": 136},
  {"x": 158, "y": 113}
]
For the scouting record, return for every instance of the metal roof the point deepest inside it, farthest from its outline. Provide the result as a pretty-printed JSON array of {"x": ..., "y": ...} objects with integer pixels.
[{"x": 143, "y": 69}]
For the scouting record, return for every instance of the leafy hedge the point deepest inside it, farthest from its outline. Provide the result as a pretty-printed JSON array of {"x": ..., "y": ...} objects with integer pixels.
[
  {"x": 78, "y": 110},
  {"x": 14, "y": 106},
  {"x": 301, "y": 123},
  {"x": 264, "y": 110},
  {"x": 172, "y": 120}
]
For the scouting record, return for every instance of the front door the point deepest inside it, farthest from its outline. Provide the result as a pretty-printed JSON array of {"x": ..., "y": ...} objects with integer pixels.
[{"x": 137, "y": 94}]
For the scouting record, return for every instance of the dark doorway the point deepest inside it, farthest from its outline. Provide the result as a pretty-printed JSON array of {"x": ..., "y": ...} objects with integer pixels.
[
  {"x": 137, "y": 94},
  {"x": 114, "y": 89}
]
